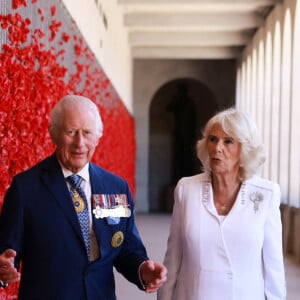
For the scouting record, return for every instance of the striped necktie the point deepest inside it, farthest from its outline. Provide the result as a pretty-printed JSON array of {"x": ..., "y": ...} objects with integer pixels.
[{"x": 80, "y": 205}]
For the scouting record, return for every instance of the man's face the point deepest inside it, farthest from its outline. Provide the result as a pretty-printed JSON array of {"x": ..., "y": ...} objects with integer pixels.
[{"x": 76, "y": 138}]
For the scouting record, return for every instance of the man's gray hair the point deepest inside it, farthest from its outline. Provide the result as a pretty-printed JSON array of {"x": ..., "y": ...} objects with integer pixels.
[{"x": 70, "y": 101}]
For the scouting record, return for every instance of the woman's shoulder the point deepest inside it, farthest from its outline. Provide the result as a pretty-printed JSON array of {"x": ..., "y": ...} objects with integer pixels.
[
  {"x": 195, "y": 179},
  {"x": 263, "y": 183}
]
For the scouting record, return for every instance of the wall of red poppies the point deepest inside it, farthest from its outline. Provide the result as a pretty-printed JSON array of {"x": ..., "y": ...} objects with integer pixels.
[{"x": 43, "y": 57}]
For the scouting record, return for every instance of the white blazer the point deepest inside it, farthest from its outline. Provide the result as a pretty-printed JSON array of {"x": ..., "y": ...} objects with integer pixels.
[{"x": 237, "y": 257}]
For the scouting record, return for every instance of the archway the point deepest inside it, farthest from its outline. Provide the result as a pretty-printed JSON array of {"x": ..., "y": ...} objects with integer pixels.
[{"x": 178, "y": 112}]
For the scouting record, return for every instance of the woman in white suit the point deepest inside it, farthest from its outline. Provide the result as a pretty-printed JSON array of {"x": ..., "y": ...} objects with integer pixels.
[{"x": 225, "y": 239}]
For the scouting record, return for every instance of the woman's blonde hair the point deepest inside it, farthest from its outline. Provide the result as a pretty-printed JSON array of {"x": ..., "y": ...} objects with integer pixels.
[{"x": 243, "y": 129}]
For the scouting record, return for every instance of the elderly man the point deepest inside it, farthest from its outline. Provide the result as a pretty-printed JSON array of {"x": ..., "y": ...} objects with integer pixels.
[{"x": 70, "y": 222}]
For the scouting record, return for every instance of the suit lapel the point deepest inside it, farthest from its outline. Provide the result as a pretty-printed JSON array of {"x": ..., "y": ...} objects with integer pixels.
[
  {"x": 208, "y": 201},
  {"x": 207, "y": 197},
  {"x": 54, "y": 180}
]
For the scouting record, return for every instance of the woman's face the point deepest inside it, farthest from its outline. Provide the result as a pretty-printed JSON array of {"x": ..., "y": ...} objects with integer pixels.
[{"x": 224, "y": 152}]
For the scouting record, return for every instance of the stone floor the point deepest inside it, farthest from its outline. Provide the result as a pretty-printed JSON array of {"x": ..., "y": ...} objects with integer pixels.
[{"x": 154, "y": 230}]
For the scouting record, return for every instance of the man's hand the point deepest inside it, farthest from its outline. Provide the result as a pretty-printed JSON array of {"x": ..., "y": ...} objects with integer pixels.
[
  {"x": 153, "y": 275},
  {"x": 8, "y": 273}
]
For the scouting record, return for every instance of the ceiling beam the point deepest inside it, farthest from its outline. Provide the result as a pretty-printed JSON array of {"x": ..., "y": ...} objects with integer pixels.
[
  {"x": 188, "y": 38},
  {"x": 203, "y": 21},
  {"x": 192, "y": 29},
  {"x": 203, "y": 2},
  {"x": 186, "y": 52}
]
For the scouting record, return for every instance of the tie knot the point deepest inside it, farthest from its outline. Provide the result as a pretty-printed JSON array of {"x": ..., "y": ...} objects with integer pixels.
[{"x": 74, "y": 180}]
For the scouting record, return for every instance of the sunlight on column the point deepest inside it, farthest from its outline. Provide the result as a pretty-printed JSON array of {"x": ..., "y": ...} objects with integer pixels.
[
  {"x": 238, "y": 88},
  {"x": 285, "y": 108},
  {"x": 243, "y": 87},
  {"x": 253, "y": 100},
  {"x": 260, "y": 87},
  {"x": 276, "y": 69},
  {"x": 295, "y": 109},
  {"x": 267, "y": 103},
  {"x": 248, "y": 85}
]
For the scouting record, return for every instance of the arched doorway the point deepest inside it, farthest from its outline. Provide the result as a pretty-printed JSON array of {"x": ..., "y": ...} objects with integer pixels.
[{"x": 178, "y": 112}]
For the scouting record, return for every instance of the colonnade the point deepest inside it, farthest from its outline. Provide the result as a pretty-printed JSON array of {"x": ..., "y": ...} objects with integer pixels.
[{"x": 268, "y": 86}]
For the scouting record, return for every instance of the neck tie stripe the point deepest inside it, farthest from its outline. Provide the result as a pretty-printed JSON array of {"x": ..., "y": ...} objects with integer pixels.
[{"x": 80, "y": 205}]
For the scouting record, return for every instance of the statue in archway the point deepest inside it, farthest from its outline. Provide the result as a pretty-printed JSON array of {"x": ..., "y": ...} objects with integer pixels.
[{"x": 184, "y": 110}]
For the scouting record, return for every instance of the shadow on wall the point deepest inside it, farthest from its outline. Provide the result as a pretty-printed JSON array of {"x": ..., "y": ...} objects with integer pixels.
[{"x": 178, "y": 112}]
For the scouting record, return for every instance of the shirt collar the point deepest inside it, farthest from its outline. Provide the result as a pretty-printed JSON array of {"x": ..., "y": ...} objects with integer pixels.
[{"x": 84, "y": 172}]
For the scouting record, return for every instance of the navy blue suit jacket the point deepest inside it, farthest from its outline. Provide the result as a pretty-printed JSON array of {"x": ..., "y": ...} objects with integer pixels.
[{"x": 38, "y": 220}]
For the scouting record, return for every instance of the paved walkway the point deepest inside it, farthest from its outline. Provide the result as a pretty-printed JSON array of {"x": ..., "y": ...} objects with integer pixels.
[{"x": 154, "y": 230}]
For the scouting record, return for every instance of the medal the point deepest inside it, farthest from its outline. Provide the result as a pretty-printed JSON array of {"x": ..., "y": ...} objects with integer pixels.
[
  {"x": 117, "y": 239},
  {"x": 78, "y": 202},
  {"x": 117, "y": 212},
  {"x": 110, "y": 206},
  {"x": 98, "y": 212}
]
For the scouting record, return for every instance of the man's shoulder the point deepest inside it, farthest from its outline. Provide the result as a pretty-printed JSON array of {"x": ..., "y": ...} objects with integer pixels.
[
  {"x": 106, "y": 182},
  {"x": 48, "y": 162},
  {"x": 106, "y": 175}
]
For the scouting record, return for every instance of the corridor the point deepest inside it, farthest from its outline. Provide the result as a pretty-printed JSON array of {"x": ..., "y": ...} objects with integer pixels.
[{"x": 154, "y": 230}]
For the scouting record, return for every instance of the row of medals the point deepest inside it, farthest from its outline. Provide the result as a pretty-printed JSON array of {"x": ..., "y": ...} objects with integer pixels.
[{"x": 79, "y": 204}]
